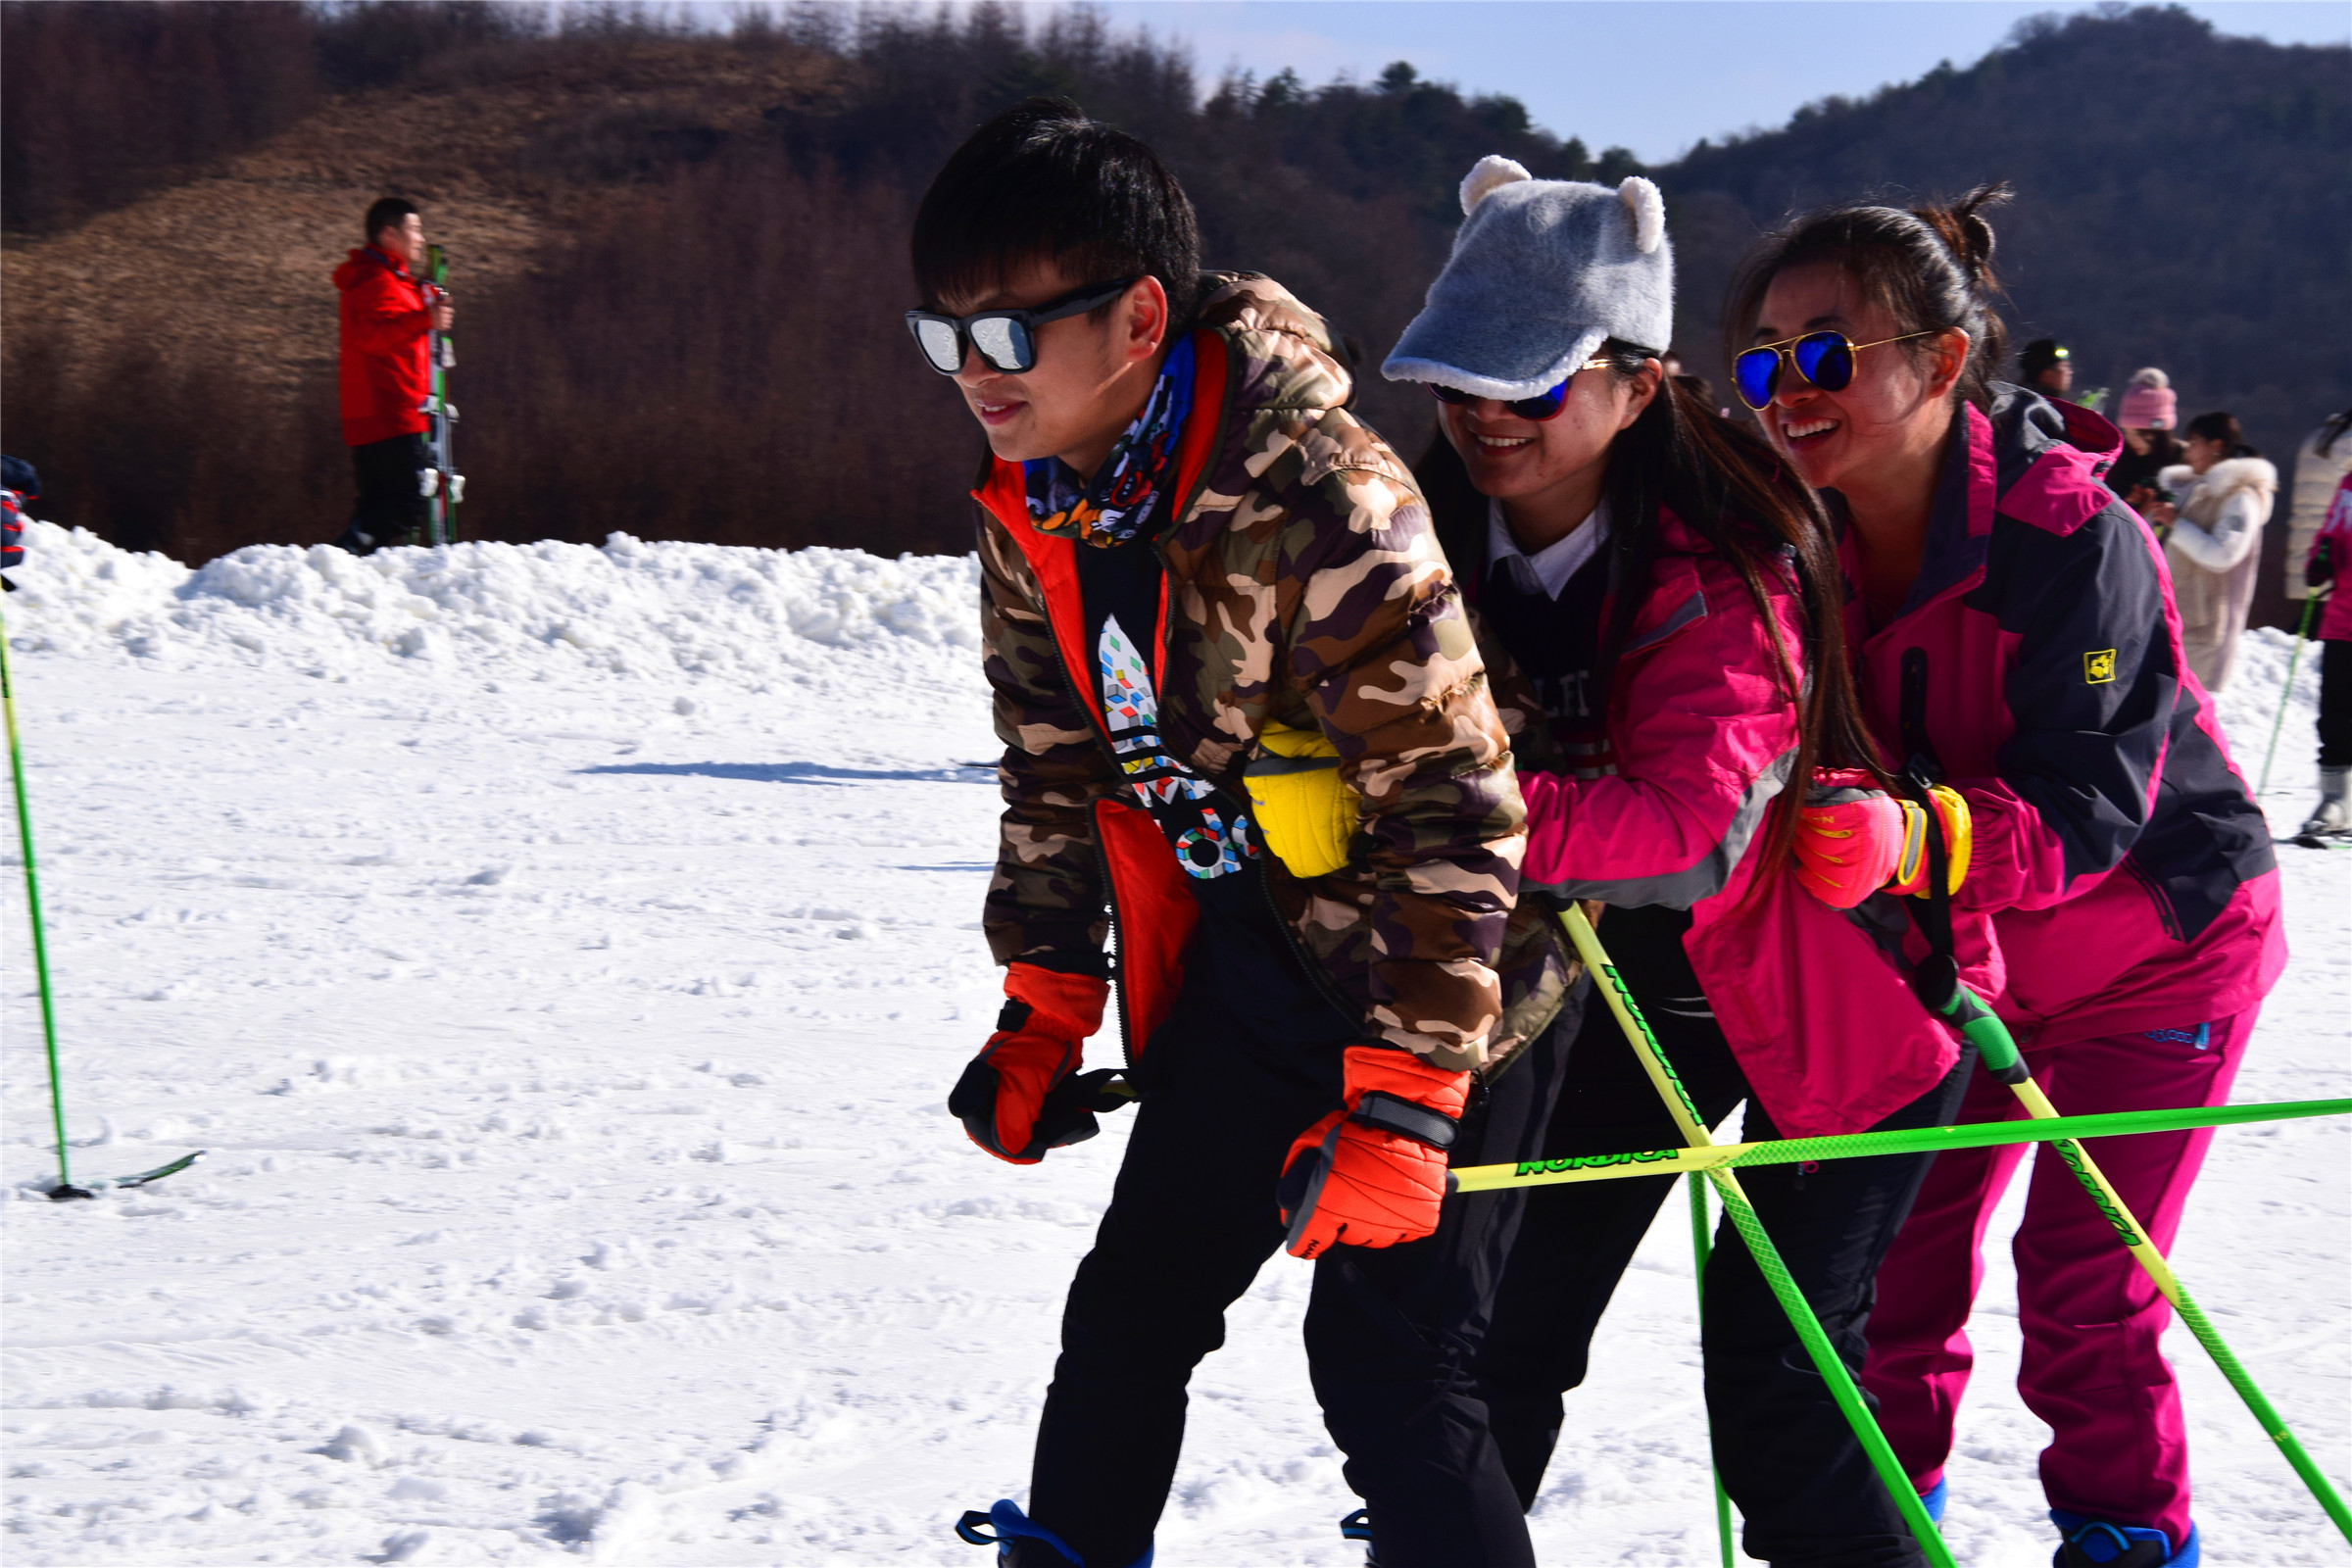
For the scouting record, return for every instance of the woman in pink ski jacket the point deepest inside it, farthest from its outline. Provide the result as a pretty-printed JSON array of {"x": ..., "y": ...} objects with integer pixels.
[
  {"x": 1655, "y": 599},
  {"x": 2013, "y": 632}
]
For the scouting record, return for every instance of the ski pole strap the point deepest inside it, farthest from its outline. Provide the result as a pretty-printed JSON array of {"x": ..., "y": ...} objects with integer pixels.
[
  {"x": 1393, "y": 1113},
  {"x": 1935, "y": 980},
  {"x": 1104, "y": 1088},
  {"x": 1936, "y": 977}
]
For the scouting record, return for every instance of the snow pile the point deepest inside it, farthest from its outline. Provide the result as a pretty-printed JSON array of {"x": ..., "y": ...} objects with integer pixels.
[{"x": 632, "y": 608}]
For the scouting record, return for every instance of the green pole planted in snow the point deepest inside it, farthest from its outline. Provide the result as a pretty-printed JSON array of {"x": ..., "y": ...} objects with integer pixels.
[
  {"x": 1699, "y": 1230},
  {"x": 33, "y": 903},
  {"x": 2287, "y": 693}
]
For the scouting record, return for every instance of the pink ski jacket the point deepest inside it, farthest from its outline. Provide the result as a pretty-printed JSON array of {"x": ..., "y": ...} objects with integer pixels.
[
  {"x": 2129, "y": 877},
  {"x": 1702, "y": 735},
  {"x": 2335, "y": 536}
]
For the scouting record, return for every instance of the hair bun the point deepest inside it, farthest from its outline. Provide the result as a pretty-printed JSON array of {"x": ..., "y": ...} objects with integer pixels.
[
  {"x": 1973, "y": 231},
  {"x": 2151, "y": 376}
]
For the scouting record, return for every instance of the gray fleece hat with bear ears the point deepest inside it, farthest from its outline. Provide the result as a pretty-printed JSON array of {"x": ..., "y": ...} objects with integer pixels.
[{"x": 1542, "y": 273}]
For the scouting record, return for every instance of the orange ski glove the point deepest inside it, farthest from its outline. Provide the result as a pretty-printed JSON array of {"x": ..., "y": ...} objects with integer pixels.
[
  {"x": 1854, "y": 838},
  {"x": 1017, "y": 1099},
  {"x": 1374, "y": 1173}
]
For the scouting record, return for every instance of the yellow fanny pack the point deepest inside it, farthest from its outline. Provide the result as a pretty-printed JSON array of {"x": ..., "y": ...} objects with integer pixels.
[{"x": 1306, "y": 813}]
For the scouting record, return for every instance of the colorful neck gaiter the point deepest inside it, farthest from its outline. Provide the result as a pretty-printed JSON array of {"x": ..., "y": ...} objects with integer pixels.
[{"x": 1113, "y": 509}]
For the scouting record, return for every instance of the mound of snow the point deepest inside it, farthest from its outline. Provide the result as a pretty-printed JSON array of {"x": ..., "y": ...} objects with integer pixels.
[{"x": 632, "y": 608}]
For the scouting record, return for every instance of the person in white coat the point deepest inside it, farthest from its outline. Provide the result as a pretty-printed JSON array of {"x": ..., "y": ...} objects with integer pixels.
[
  {"x": 2222, "y": 498},
  {"x": 2321, "y": 462}
]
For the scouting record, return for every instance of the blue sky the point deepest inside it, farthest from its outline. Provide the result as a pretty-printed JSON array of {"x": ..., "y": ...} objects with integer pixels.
[{"x": 1650, "y": 75}]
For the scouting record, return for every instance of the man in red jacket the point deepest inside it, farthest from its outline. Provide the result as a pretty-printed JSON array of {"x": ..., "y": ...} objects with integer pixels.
[{"x": 388, "y": 316}]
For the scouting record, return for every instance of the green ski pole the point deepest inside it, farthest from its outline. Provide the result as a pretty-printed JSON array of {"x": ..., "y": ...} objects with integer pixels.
[
  {"x": 1700, "y": 1229},
  {"x": 2287, "y": 693},
  {"x": 64, "y": 1187},
  {"x": 1862, "y": 1146},
  {"x": 1998, "y": 1052},
  {"x": 1742, "y": 1214}
]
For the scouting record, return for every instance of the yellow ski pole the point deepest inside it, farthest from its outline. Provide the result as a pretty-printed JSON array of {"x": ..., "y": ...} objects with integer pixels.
[{"x": 1998, "y": 1052}]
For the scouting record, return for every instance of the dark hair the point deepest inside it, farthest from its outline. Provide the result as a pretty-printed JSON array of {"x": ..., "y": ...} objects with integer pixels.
[
  {"x": 1732, "y": 490},
  {"x": 1699, "y": 388},
  {"x": 2222, "y": 427},
  {"x": 2041, "y": 355},
  {"x": 1040, "y": 178},
  {"x": 1929, "y": 266},
  {"x": 387, "y": 212},
  {"x": 2333, "y": 431}
]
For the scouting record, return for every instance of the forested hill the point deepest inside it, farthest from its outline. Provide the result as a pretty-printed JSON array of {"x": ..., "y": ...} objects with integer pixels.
[
  {"x": 682, "y": 255},
  {"x": 2181, "y": 201}
]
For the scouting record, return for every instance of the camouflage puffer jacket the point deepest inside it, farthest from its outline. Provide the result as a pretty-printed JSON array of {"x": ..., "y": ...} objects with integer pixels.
[{"x": 1303, "y": 587}]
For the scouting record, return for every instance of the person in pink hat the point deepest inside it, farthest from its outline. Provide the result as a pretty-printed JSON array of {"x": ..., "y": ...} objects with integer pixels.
[{"x": 2147, "y": 413}]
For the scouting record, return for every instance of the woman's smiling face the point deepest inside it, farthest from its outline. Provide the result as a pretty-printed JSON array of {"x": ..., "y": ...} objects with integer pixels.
[
  {"x": 1898, "y": 389},
  {"x": 1511, "y": 457}
]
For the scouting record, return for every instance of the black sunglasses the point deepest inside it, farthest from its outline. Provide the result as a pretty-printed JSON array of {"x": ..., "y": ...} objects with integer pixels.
[
  {"x": 1543, "y": 406},
  {"x": 1005, "y": 339}
]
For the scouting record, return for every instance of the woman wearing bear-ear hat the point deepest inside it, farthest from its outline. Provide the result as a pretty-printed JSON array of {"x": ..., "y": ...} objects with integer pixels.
[{"x": 1654, "y": 597}]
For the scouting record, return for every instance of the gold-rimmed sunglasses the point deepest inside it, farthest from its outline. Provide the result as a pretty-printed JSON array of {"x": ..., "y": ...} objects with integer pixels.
[{"x": 1825, "y": 358}]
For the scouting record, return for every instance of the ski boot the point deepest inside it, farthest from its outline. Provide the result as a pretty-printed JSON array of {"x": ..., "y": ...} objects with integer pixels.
[
  {"x": 1021, "y": 1542},
  {"x": 2332, "y": 820},
  {"x": 1358, "y": 1526},
  {"x": 2096, "y": 1544}
]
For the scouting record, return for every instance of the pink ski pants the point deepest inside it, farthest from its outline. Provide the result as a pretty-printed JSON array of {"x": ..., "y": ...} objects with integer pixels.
[{"x": 2090, "y": 1318}]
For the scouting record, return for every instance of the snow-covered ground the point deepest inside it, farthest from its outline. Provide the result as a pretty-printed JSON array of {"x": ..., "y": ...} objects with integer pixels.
[{"x": 564, "y": 955}]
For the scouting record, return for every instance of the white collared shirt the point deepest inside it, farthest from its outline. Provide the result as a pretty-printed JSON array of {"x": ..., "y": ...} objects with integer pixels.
[{"x": 1555, "y": 563}]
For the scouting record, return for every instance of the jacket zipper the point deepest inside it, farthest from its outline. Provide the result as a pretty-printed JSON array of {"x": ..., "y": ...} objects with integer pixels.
[
  {"x": 1118, "y": 962},
  {"x": 1111, "y": 893}
]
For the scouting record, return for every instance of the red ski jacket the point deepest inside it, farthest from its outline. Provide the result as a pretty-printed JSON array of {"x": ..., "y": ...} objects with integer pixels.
[{"x": 386, "y": 319}]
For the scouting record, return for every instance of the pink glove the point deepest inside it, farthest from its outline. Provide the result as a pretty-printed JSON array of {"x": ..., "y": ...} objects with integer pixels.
[{"x": 1853, "y": 839}]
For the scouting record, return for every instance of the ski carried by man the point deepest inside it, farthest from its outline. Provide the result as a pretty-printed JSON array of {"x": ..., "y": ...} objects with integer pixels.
[{"x": 444, "y": 485}]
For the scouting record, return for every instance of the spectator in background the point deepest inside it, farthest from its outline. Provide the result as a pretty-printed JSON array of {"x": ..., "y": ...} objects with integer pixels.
[
  {"x": 2043, "y": 365},
  {"x": 2324, "y": 475},
  {"x": 388, "y": 317},
  {"x": 2222, "y": 498},
  {"x": 2323, "y": 457},
  {"x": 2146, "y": 414},
  {"x": 18, "y": 485}
]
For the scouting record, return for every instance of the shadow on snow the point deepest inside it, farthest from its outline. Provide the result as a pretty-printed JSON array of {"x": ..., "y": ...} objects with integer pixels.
[{"x": 802, "y": 772}]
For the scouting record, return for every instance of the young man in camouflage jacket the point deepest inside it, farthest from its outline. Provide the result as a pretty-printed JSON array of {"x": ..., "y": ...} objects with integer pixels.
[{"x": 1211, "y": 594}]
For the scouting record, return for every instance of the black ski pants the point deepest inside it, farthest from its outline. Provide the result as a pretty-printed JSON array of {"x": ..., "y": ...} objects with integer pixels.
[
  {"x": 1791, "y": 1464},
  {"x": 2335, "y": 698},
  {"x": 391, "y": 505},
  {"x": 1191, "y": 1217}
]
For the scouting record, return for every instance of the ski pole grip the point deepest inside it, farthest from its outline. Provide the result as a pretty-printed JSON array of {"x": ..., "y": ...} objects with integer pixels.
[{"x": 1995, "y": 1047}]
